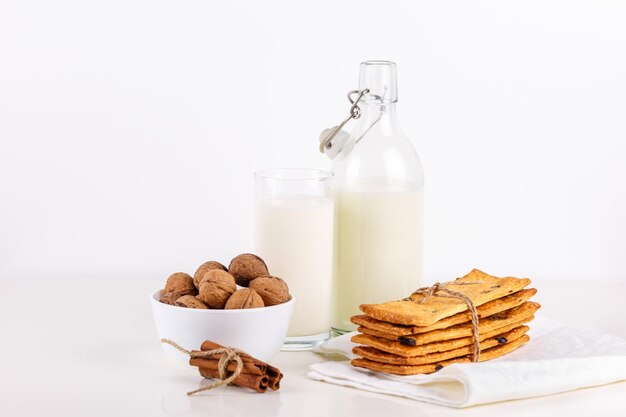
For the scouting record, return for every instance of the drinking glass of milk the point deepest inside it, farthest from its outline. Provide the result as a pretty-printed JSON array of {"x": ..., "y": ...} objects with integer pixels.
[{"x": 294, "y": 235}]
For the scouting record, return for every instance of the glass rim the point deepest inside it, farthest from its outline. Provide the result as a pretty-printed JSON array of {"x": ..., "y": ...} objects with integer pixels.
[
  {"x": 379, "y": 62},
  {"x": 294, "y": 174}
]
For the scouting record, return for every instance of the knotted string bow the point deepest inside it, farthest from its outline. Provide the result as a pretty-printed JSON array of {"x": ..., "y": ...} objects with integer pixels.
[
  {"x": 228, "y": 355},
  {"x": 439, "y": 290}
]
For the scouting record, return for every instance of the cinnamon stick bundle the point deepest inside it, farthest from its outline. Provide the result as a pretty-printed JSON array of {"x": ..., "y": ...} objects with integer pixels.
[
  {"x": 249, "y": 367},
  {"x": 255, "y": 374}
]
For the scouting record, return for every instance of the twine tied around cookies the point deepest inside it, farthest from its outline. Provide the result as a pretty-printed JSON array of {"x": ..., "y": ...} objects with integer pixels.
[
  {"x": 439, "y": 290},
  {"x": 228, "y": 355}
]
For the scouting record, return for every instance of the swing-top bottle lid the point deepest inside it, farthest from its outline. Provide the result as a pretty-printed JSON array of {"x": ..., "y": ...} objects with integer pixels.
[{"x": 381, "y": 79}]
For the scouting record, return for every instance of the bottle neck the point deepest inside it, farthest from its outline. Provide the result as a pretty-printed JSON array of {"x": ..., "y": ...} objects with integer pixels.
[
  {"x": 380, "y": 79},
  {"x": 378, "y": 105},
  {"x": 377, "y": 116}
]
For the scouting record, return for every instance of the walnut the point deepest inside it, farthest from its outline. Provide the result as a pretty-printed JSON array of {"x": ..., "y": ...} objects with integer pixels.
[
  {"x": 244, "y": 298},
  {"x": 216, "y": 286},
  {"x": 246, "y": 267},
  {"x": 272, "y": 290},
  {"x": 190, "y": 301},
  {"x": 169, "y": 297},
  {"x": 202, "y": 269},
  {"x": 178, "y": 284}
]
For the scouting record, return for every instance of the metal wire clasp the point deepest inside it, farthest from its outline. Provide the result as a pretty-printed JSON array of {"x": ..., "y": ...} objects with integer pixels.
[{"x": 355, "y": 113}]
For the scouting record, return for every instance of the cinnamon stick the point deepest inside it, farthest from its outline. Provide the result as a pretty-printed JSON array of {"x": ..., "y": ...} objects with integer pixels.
[
  {"x": 245, "y": 358},
  {"x": 259, "y": 383},
  {"x": 274, "y": 376},
  {"x": 208, "y": 345}
]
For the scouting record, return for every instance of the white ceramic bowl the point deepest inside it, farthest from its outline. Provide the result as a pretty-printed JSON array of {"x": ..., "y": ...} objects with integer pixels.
[{"x": 257, "y": 331}]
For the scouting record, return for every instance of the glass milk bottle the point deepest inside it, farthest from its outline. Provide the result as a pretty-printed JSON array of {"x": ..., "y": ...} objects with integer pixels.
[{"x": 378, "y": 203}]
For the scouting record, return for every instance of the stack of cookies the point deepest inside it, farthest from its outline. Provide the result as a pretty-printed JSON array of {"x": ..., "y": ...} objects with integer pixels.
[{"x": 412, "y": 336}]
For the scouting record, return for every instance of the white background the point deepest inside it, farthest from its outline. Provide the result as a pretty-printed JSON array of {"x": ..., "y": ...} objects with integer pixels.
[{"x": 129, "y": 130}]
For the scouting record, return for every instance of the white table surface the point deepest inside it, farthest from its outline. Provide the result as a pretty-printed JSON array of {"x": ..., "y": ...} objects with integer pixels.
[{"x": 88, "y": 348}]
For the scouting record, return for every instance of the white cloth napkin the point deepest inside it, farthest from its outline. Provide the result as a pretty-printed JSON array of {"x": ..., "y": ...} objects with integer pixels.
[{"x": 556, "y": 359}]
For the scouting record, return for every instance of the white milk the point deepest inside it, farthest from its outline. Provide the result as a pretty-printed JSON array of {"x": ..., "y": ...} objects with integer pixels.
[
  {"x": 294, "y": 235},
  {"x": 378, "y": 246}
]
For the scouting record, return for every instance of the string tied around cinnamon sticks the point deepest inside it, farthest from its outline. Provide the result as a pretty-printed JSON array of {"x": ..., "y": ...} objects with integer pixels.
[
  {"x": 439, "y": 290},
  {"x": 227, "y": 355}
]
